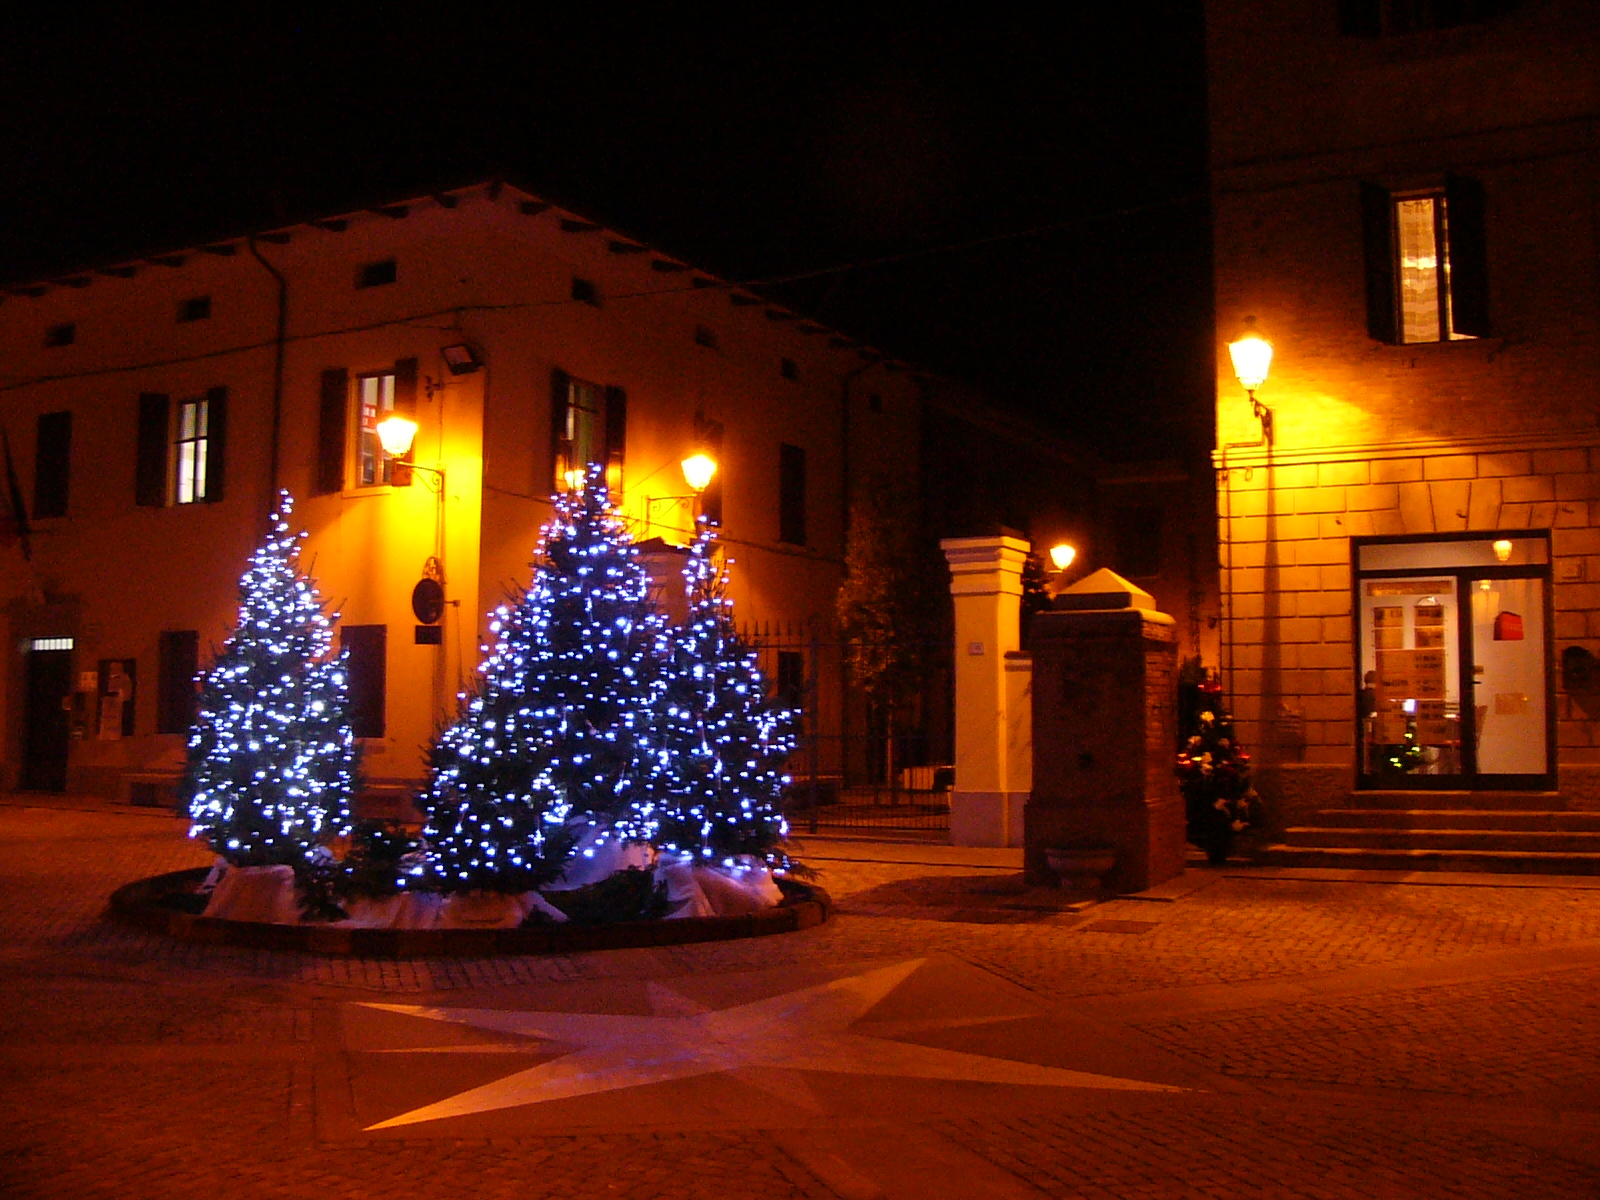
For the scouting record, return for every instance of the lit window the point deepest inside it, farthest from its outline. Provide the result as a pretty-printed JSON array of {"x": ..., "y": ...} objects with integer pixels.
[
  {"x": 374, "y": 401},
  {"x": 1427, "y": 263},
  {"x": 589, "y": 428},
  {"x": 189, "y": 447}
]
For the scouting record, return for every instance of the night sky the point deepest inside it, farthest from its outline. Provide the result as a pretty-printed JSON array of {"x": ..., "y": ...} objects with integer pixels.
[{"x": 1038, "y": 188}]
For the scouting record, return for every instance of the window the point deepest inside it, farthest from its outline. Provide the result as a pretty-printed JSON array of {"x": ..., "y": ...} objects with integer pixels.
[
  {"x": 52, "y": 456},
  {"x": 792, "y": 495},
  {"x": 377, "y": 274},
  {"x": 358, "y": 457},
  {"x": 61, "y": 335},
  {"x": 195, "y": 308},
  {"x": 705, "y": 336},
  {"x": 585, "y": 292},
  {"x": 1427, "y": 263},
  {"x": 1371, "y": 18},
  {"x": 367, "y": 647},
  {"x": 588, "y": 426},
  {"x": 182, "y": 449},
  {"x": 374, "y": 402},
  {"x": 788, "y": 368},
  {"x": 178, "y": 664}
]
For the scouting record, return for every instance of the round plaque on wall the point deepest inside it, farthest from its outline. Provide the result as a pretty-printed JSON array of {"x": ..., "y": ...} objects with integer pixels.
[{"x": 427, "y": 601}]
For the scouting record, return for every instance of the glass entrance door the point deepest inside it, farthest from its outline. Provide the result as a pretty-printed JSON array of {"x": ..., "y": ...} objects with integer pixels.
[{"x": 1453, "y": 651}]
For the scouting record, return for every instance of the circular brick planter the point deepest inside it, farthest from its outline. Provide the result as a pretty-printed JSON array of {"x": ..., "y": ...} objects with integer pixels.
[{"x": 157, "y": 904}]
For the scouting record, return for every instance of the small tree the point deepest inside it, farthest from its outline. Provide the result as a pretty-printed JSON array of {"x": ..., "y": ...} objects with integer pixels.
[
  {"x": 272, "y": 756},
  {"x": 1213, "y": 773},
  {"x": 552, "y": 744},
  {"x": 720, "y": 743}
]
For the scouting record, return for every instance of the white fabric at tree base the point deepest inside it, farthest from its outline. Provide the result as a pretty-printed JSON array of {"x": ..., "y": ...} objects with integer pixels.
[
  {"x": 265, "y": 895},
  {"x": 698, "y": 890},
  {"x": 594, "y": 860}
]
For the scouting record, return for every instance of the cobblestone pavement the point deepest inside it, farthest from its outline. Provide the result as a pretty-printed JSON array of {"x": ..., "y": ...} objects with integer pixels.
[{"x": 1335, "y": 1038}]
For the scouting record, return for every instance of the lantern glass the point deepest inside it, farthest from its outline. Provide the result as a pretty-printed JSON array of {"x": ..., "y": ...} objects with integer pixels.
[
  {"x": 1252, "y": 358},
  {"x": 698, "y": 470},
  {"x": 396, "y": 434}
]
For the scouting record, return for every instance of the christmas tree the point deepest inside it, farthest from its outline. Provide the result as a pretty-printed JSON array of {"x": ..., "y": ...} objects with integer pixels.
[
  {"x": 551, "y": 747},
  {"x": 272, "y": 756},
  {"x": 1213, "y": 773},
  {"x": 720, "y": 744}
]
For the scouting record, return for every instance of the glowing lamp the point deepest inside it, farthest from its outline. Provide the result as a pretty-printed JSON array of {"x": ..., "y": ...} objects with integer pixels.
[
  {"x": 1062, "y": 555},
  {"x": 1502, "y": 550},
  {"x": 1252, "y": 358},
  {"x": 698, "y": 470},
  {"x": 396, "y": 433}
]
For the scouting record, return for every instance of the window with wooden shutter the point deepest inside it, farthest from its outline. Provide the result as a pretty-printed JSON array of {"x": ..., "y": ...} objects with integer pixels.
[
  {"x": 792, "y": 495},
  {"x": 332, "y": 421},
  {"x": 150, "y": 464},
  {"x": 1377, "y": 221},
  {"x": 616, "y": 440},
  {"x": 367, "y": 671},
  {"x": 179, "y": 664},
  {"x": 709, "y": 435},
  {"x": 1426, "y": 262},
  {"x": 1468, "y": 256},
  {"x": 52, "y": 464}
]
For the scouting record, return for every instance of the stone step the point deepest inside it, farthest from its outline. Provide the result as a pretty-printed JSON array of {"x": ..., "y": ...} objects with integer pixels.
[
  {"x": 1427, "y": 817},
  {"x": 1460, "y": 800},
  {"x": 1514, "y": 841},
  {"x": 1501, "y": 862}
]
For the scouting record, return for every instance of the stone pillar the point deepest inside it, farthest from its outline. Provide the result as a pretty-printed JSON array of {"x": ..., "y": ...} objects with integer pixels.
[
  {"x": 1104, "y": 698},
  {"x": 991, "y": 786}
]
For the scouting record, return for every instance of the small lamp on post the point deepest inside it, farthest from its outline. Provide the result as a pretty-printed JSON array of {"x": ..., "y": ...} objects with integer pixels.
[{"x": 1252, "y": 359}]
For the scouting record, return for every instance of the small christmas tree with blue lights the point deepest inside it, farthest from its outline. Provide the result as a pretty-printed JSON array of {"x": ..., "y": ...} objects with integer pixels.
[
  {"x": 272, "y": 756},
  {"x": 551, "y": 748},
  {"x": 720, "y": 743}
]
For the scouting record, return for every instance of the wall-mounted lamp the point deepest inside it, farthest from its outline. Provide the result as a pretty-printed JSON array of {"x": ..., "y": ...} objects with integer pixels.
[
  {"x": 461, "y": 358},
  {"x": 396, "y": 432},
  {"x": 1502, "y": 550},
  {"x": 1252, "y": 359},
  {"x": 698, "y": 470},
  {"x": 1063, "y": 555}
]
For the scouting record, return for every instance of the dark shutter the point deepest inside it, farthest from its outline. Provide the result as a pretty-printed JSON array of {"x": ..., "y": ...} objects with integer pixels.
[
  {"x": 332, "y": 423},
  {"x": 1468, "y": 254},
  {"x": 792, "y": 495},
  {"x": 616, "y": 439},
  {"x": 405, "y": 387},
  {"x": 560, "y": 447},
  {"x": 1360, "y": 18},
  {"x": 52, "y": 464},
  {"x": 1377, "y": 224},
  {"x": 150, "y": 468},
  {"x": 175, "y": 687},
  {"x": 367, "y": 669},
  {"x": 216, "y": 442}
]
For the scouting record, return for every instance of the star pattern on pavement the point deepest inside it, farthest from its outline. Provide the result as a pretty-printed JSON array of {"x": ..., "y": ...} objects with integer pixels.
[{"x": 803, "y": 1030}]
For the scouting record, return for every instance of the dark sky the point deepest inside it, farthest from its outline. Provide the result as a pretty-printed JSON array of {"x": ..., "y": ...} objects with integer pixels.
[{"x": 785, "y": 142}]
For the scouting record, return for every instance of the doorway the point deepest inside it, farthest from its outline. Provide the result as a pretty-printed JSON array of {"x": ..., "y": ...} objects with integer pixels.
[
  {"x": 48, "y": 719},
  {"x": 1453, "y": 651}
]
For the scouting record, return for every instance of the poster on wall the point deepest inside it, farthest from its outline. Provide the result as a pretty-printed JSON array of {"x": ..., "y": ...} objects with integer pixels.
[
  {"x": 1389, "y": 628},
  {"x": 1429, "y": 627},
  {"x": 1433, "y": 727}
]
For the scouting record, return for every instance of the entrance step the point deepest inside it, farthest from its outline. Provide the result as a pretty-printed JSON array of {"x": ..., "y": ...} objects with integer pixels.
[
  {"x": 1489, "y": 861},
  {"x": 1427, "y": 817},
  {"x": 1460, "y": 800},
  {"x": 1514, "y": 841}
]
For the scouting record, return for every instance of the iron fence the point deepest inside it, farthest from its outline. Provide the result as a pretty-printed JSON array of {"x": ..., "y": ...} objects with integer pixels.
[{"x": 880, "y": 768}]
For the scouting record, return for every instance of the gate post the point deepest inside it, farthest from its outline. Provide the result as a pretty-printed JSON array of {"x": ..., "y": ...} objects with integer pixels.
[
  {"x": 993, "y": 764},
  {"x": 1104, "y": 734}
]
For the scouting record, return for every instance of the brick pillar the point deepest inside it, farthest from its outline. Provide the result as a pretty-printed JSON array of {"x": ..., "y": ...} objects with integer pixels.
[
  {"x": 992, "y": 764},
  {"x": 1103, "y": 734}
]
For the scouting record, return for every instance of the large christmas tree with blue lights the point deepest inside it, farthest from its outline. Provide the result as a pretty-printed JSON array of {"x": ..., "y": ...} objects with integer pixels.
[
  {"x": 720, "y": 743},
  {"x": 272, "y": 756},
  {"x": 551, "y": 749}
]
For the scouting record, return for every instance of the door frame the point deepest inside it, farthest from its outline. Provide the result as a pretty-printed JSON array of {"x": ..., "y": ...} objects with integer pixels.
[{"x": 1468, "y": 779}]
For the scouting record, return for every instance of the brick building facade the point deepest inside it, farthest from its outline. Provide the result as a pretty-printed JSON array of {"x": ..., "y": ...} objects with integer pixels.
[{"x": 1405, "y": 198}]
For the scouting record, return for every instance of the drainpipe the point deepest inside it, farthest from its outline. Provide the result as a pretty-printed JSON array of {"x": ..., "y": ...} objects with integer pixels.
[{"x": 277, "y": 369}]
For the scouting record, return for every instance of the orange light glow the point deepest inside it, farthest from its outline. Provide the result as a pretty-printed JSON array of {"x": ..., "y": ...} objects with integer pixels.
[
  {"x": 1063, "y": 555},
  {"x": 1252, "y": 358},
  {"x": 396, "y": 433}
]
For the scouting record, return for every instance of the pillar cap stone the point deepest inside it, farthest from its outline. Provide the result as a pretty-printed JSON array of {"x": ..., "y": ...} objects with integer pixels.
[{"x": 1103, "y": 590}]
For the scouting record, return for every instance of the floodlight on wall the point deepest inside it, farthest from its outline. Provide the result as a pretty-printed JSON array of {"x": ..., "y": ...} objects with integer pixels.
[
  {"x": 461, "y": 358},
  {"x": 396, "y": 432},
  {"x": 1252, "y": 359},
  {"x": 698, "y": 470},
  {"x": 1063, "y": 555}
]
